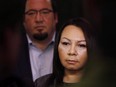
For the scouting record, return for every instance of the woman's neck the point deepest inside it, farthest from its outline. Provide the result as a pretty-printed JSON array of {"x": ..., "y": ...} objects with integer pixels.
[{"x": 72, "y": 76}]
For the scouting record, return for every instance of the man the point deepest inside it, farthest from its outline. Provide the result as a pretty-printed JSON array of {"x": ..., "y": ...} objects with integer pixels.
[{"x": 37, "y": 50}]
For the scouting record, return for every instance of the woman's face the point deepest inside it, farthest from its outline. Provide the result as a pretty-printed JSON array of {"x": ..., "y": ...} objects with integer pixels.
[{"x": 72, "y": 48}]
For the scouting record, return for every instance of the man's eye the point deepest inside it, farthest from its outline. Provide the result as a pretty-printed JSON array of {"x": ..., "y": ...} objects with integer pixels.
[
  {"x": 31, "y": 13},
  {"x": 45, "y": 12}
]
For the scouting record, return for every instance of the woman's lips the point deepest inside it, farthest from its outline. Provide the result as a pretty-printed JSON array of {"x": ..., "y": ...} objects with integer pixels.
[{"x": 71, "y": 61}]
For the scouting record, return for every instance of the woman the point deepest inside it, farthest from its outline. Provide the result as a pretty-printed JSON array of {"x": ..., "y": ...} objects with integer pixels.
[{"x": 73, "y": 47}]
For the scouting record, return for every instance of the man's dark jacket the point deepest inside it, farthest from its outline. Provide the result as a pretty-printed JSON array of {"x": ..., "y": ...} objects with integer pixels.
[{"x": 23, "y": 67}]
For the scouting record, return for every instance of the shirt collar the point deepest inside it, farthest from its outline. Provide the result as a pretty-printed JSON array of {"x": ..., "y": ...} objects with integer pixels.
[
  {"x": 53, "y": 38},
  {"x": 29, "y": 40}
]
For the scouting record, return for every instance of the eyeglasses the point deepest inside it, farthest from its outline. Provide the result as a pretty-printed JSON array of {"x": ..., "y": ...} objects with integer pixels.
[{"x": 43, "y": 12}]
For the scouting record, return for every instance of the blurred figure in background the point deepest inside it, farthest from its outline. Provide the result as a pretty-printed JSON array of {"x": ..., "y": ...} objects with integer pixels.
[{"x": 11, "y": 14}]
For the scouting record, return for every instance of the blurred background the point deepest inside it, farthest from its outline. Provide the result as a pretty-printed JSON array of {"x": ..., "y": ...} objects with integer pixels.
[{"x": 100, "y": 13}]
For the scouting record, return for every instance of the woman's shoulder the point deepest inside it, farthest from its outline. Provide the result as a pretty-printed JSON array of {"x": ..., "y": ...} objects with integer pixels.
[{"x": 40, "y": 82}]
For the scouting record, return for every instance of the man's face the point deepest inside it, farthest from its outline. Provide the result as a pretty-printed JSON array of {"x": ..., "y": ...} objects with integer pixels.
[{"x": 39, "y": 20}]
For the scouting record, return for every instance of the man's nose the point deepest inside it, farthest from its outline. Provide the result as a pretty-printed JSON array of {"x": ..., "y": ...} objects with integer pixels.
[{"x": 38, "y": 17}]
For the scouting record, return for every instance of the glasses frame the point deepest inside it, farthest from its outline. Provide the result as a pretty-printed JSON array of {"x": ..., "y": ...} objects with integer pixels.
[{"x": 43, "y": 12}]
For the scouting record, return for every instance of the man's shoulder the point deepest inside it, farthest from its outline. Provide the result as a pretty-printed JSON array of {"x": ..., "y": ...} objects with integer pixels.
[{"x": 42, "y": 80}]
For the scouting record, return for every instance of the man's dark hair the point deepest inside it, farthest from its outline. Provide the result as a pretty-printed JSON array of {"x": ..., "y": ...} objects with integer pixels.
[{"x": 54, "y": 5}]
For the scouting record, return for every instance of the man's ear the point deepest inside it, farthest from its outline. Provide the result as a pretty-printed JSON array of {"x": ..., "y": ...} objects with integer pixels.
[{"x": 56, "y": 17}]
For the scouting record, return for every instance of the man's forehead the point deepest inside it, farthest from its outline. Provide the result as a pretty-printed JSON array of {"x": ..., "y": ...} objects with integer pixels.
[
  {"x": 44, "y": 0},
  {"x": 38, "y": 4},
  {"x": 40, "y": 0}
]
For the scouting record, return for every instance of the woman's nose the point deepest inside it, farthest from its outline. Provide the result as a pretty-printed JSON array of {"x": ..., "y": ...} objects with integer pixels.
[{"x": 72, "y": 50}]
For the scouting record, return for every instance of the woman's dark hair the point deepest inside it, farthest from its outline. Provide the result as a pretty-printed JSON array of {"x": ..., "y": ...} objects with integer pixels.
[{"x": 58, "y": 69}]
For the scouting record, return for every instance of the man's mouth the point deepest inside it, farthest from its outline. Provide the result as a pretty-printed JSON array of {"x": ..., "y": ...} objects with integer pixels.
[{"x": 40, "y": 28}]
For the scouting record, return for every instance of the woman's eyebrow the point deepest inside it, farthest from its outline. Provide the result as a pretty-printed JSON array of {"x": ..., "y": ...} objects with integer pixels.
[
  {"x": 76, "y": 40},
  {"x": 66, "y": 38}
]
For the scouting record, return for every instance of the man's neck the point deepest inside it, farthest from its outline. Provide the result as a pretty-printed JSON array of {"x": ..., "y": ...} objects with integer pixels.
[{"x": 42, "y": 44}]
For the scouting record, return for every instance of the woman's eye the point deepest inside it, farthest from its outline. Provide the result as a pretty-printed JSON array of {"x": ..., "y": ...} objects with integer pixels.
[
  {"x": 82, "y": 45},
  {"x": 65, "y": 43}
]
